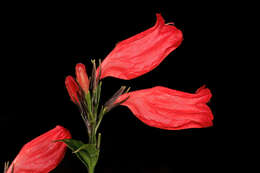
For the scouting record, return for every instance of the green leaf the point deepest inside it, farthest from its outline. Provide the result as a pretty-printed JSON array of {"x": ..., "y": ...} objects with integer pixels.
[
  {"x": 91, "y": 151},
  {"x": 87, "y": 153}
]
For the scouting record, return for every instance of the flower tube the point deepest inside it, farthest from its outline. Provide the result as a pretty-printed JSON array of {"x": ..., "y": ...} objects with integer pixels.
[
  {"x": 170, "y": 109},
  {"x": 143, "y": 52},
  {"x": 42, "y": 154}
]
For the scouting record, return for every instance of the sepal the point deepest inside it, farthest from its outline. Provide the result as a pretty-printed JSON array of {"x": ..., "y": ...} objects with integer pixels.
[{"x": 6, "y": 166}]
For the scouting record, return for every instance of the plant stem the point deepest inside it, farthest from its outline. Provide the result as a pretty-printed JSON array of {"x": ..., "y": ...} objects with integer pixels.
[
  {"x": 91, "y": 170},
  {"x": 95, "y": 115}
]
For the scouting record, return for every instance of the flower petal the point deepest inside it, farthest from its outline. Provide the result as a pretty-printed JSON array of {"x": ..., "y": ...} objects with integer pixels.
[
  {"x": 42, "y": 154},
  {"x": 170, "y": 109},
  {"x": 143, "y": 52}
]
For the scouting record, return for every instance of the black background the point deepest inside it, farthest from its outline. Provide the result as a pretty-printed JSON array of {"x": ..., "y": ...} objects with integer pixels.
[{"x": 41, "y": 46}]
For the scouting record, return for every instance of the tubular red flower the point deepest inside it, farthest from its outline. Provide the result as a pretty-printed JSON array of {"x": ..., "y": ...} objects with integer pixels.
[
  {"x": 170, "y": 109},
  {"x": 82, "y": 77},
  {"x": 42, "y": 154},
  {"x": 143, "y": 52},
  {"x": 72, "y": 88}
]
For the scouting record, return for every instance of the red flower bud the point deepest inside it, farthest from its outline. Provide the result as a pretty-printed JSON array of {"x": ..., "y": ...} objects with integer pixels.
[
  {"x": 170, "y": 109},
  {"x": 143, "y": 52},
  {"x": 73, "y": 88},
  {"x": 42, "y": 154},
  {"x": 82, "y": 77}
]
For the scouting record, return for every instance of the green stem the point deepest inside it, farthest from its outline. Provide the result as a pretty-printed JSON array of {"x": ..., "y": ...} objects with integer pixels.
[
  {"x": 95, "y": 115},
  {"x": 91, "y": 170},
  {"x": 93, "y": 134}
]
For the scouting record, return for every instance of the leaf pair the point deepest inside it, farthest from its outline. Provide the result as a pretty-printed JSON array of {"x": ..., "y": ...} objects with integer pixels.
[{"x": 87, "y": 153}]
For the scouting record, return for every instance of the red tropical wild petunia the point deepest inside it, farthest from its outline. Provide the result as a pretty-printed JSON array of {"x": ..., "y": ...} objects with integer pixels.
[
  {"x": 42, "y": 154},
  {"x": 143, "y": 52},
  {"x": 159, "y": 106},
  {"x": 170, "y": 109}
]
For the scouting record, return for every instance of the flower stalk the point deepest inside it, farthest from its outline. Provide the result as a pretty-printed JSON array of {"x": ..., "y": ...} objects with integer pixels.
[{"x": 86, "y": 93}]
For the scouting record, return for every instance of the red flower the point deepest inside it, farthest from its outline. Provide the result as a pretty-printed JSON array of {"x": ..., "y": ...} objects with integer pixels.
[
  {"x": 159, "y": 106},
  {"x": 73, "y": 88},
  {"x": 42, "y": 154},
  {"x": 170, "y": 109},
  {"x": 143, "y": 52},
  {"x": 82, "y": 77}
]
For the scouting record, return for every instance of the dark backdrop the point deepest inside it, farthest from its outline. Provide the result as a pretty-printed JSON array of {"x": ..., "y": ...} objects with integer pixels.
[{"x": 42, "y": 44}]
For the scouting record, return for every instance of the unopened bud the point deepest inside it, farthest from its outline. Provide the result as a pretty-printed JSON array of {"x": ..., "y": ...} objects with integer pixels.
[
  {"x": 82, "y": 77},
  {"x": 73, "y": 88}
]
